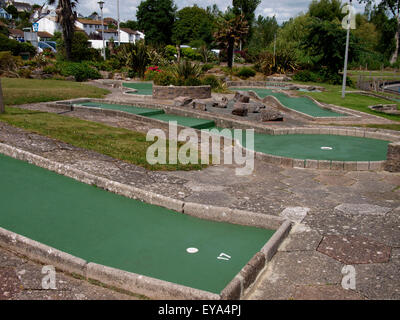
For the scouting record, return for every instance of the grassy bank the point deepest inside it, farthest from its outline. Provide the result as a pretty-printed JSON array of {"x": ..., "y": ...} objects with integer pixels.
[
  {"x": 21, "y": 91},
  {"x": 117, "y": 143}
]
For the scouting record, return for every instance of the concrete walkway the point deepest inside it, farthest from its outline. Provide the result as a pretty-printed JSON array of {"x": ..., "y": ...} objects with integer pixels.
[{"x": 342, "y": 218}]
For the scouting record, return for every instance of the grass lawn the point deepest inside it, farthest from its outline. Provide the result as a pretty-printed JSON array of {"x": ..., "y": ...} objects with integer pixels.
[
  {"x": 118, "y": 143},
  {"x": 354, "y": 101},
  {"x": 20, "y": 91}
]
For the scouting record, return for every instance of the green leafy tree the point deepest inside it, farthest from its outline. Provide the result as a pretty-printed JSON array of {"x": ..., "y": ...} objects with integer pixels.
[
  {"x": 328, "y": 10},
  {"x": 264, "y": 30},
  {"x": 155, "y": 18},
  {"x": 324, "y": 42},
  {"x": 246, "y": 8},
  {"x": 393, "y": 6},
  {"x": 131, "y": 24},
  {"x": 66, "y": 17},
  {"x": 193, "y": 23}
]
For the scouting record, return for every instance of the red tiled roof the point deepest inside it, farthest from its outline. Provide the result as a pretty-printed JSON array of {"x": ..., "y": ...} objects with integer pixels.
[
  {"x": 16, "y": 32},
  {"x": 88, "y": 21},
  {"x": 127, "y": 30},
  {"x": 43, "y": 34}
]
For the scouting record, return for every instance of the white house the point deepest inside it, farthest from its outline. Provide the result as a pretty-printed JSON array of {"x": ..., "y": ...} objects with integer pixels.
[
  {"x": 90, "y": 26},
  {"x": 49, "y": 23}
]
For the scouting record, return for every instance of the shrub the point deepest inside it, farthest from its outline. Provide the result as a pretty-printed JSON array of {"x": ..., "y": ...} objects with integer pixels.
[
  {"x": 191, "y": 81},
  {"x": 16, "y": 47},
  {"x": 164, "y": 78},
  {"x": 245, "y": 73},
  {"x": 51, "y": 69},
  {"x": 8, "y": 62},
  {"x": 212, "y": 81},
  {"x": 170, "y": 52},
  {"x": 151, "y": 72},
  {"x": 191, "y": 54},
  {"x": 307, "y": 76},
  {"x": 207, "y": 66},
  {"x": 80, "y": 70}
]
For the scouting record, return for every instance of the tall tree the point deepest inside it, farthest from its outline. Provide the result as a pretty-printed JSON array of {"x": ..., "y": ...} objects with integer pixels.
[
  {"x": 66, "y": 17},
  {"x": 155, "y": 18},
  {"x": 230, "y": 29},
  {"x": 394, "y": 7},
  {"x": 328, "y": 10},
  {"x": 246, "y": 8},
  {"x": 193, "y": 23}
]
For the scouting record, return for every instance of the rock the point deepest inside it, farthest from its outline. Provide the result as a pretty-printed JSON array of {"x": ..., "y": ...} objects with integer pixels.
[
  {"x": 241, "y": 96},
  {"x": 118, "y": 76},
  {"x": 255, "y": 107},
  {"x": 269, "y": 114},
  {"x": 240, "y": 109},
  {"x": 47, "y": 76},
  {"x": 105, "y": 74},
  {"x": 182, "y": 101},
  {"x": 312, "y": 88},
  {"x": 293, "y": 88},
  {"x": 198, "y": 105},
  {"x": 70, "y": 78}
]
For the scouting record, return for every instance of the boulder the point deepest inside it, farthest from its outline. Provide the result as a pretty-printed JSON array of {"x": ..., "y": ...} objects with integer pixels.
[
  {"x": 269, "y": 114},
  {"x": 182, "y": 101},
  {"x": 255, "y": 107},
  {"x": 240, "y": 109},
  {"x": 198, "y": 105},
  {"x": 70, "y": 78},
  {"x": 242, "y": 96}
]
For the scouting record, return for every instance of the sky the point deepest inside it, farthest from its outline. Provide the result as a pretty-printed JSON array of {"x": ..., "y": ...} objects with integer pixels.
[{"x": 282, "y": 9}]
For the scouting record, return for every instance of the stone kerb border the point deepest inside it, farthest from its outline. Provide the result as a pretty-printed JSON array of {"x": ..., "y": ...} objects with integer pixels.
[
  {"x": 172, "y": 92},
  {"x": 151, "y": 287}
]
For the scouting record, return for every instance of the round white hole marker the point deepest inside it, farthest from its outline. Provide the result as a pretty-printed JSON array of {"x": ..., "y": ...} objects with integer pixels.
[
  {"x": 192, "y": 250},
  {"x": 326, "y": 148}
]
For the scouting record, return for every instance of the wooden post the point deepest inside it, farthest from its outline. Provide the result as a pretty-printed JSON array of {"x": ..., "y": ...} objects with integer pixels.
[{"x": 2, "y": 109}]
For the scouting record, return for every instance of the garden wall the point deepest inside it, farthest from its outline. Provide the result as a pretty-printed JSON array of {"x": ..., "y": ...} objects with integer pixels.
[{"x": 172, "y": 92}]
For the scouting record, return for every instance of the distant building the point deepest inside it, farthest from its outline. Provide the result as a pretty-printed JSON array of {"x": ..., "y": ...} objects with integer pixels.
[
  {"x": 16, "y": 34},
  {"x": 20, "y": 6},
  {"x": 90, "y": 26},
  {"x": 4, "y": 14},
  {"x": 44, "y": 36},
  {"x": 94, "y": 16},
  {"x": 111, "y": 21},
  {"x": 130, "y": 36}
]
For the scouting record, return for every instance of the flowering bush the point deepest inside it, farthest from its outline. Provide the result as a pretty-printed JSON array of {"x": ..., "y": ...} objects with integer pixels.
[{"x": 151, "y": 72}]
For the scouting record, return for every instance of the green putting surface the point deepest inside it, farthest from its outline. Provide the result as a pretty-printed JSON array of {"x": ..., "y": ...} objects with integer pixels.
[
  {"x": 143, "y": 88},
  {"x": 119, "y": 107},
  {"x": 185, "y": 121},
  {"x": 302, "y": 146},
  {"x": 115, "y": 231},
  {"x": 301, "y": 104}
]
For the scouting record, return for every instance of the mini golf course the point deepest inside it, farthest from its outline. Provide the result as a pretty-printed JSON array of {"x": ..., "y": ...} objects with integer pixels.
[
  {"x": 158, "y": 114},
  {"x": 119, "y": 232},
  {"x": 295, "y": 146},
  {"x": 321, "y": 147},
  {"x": 301, "y": 104}
]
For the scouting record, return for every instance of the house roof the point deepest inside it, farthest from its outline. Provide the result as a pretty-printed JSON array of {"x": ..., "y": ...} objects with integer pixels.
[
  {"x": 111, "y": 31},
  {"x": 43, "y": 34},
  {"x": 16, "y": 32},
  {"x": 88, "y": 21},
  {"x": 108, "y": 20},
  {"x": 22, "y": 5},
  {"x": 127, "y": 30}
]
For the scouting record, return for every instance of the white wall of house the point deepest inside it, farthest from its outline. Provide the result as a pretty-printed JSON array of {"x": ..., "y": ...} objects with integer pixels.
[
  {"x": 89, "y": 28},
  {"x": 48, "y": 25},
  {"x": 97, "y": 44}
]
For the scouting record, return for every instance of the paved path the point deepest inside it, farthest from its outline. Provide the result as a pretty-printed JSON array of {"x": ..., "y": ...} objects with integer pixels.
[{"x": 343, "y": 218}]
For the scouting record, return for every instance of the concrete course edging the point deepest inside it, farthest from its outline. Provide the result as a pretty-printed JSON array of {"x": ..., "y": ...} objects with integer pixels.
[
  {"x": 148, "y": 286},
  {"x": 151, "y": 287},
  {"x": 41, "y": 252}
]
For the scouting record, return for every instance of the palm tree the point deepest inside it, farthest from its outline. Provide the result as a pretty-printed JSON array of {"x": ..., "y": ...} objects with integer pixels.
[
  {"x": 66, "y": 17},
  {"x": 230, "y": 29}
]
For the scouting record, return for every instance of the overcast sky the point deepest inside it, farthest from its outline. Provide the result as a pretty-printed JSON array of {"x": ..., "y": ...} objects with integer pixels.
[{"x": 282, "y": 9}]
